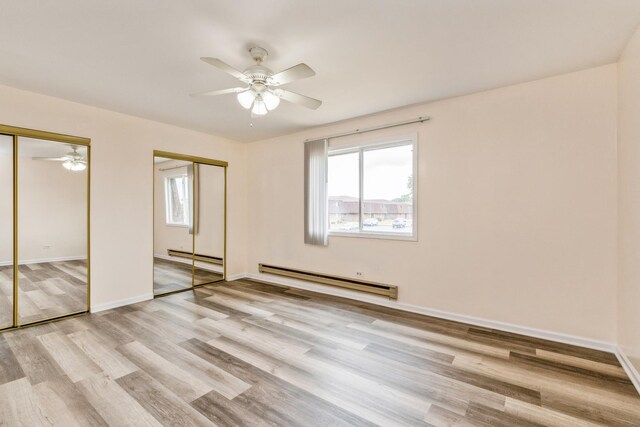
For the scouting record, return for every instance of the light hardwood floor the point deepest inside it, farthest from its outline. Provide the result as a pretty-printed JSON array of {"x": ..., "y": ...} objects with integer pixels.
[
  {"x": 169, "y": 276},
  {"x": 46, "y": 290},
  {"x": 246, "y": 353}
]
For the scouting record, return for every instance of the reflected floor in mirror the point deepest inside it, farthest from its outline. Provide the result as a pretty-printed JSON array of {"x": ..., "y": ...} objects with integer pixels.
[
  {"x": 169, "y": 276},
  {"x": 6, "y": 296},
  {"x": 46, "y": 290}
]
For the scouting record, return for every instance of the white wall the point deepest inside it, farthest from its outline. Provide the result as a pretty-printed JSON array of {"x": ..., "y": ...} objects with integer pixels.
[
  {"x": 122, "y": 185},
  {"x": 517, "y": 207},
  {"x": 52, "y": 214},
  {"x": 52, "y": 211},
  {"x": 6, "y": 199},
  {"x": 210, "y": 235},
  {"x": 629, "y": 200}
]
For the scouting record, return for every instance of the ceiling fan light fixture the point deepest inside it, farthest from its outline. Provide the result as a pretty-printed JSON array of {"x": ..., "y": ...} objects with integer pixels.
[
  {"x": 78, "y": 166},
  {"x": 246, "y": 98},
  {"x": 259, "y": 107},
  {"x": 271, "y": 101},
  {"x": 74, "y": 165}
]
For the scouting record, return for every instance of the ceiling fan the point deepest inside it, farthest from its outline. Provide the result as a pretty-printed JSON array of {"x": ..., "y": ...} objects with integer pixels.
[
  {"x": 263, "y": 92},
  {"x": 72, "y": 161}
]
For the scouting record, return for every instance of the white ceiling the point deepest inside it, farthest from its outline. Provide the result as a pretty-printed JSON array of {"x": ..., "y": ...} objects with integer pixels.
[{"x": 140, "y": 57}]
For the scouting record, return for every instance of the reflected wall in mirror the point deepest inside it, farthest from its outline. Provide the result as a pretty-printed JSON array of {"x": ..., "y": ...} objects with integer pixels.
[
  {"x": 52, "y": 229},
  {"x": 209, "y": 223},
  {"x": 172, "y": 238},
  {"x": 6, "y": 231}
]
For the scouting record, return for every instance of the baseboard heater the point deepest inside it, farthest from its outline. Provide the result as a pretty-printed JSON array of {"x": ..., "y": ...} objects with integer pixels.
[
  {"x": 198, "y": 257},
  {"x": 390, "y": 291}
]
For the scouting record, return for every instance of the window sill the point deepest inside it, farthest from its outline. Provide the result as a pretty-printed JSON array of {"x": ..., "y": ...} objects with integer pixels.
[
  {"x": 177, "y": 225},
  {"x": 373, "y": 235}
]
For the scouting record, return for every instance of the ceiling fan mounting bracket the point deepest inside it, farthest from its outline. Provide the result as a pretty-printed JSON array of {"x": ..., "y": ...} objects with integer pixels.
[{"x": 258, "y": 53}]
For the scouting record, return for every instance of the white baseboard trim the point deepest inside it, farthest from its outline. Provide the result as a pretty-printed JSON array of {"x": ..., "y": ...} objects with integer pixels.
[
  {"x": 501, "y": 326},
  {"x": 628, "y": 367},
  {"x": 115, "y": 304},
  {"x": 145, "y": 297},
  {"x": 42, "y": 260}
]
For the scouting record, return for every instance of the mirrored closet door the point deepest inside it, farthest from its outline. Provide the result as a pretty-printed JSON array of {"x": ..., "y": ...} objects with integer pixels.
[
  {"x": 172, "y": 239},
  {"x": 6, "y": 232},
  {"x": 208, "y": 244},
  {"x": 189, "y": 222},
  {"x": 52, "y": 229},
  {"x": 44, "y": 226}
]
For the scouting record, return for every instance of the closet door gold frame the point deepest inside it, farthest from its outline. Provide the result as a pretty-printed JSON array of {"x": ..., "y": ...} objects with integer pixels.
[
  {"x": 204, "y": 161},
  {"x": 15, "y": 133}
]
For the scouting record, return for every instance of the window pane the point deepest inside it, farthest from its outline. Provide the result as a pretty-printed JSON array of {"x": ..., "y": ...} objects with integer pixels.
[
  {"x": 344, "y": 192},
  {"x": 388, "y": 190}
]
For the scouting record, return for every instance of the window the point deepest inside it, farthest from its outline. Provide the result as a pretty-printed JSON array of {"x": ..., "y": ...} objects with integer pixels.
[
  {"x": 371, "y": 190},
  {"x": 176, "y": 195}
]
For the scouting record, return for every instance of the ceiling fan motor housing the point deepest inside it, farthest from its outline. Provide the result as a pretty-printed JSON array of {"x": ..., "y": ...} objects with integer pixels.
[{"x": 258, "y": 73}]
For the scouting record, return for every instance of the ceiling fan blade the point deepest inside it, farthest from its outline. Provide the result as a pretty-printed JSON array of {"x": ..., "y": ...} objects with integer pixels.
[
  {"x": 297, "y": 72},
  {"x": 51, "y": 159},
  {"x": 296, "y": 98},
  {"x": 220, "y": 92},
  {"x": 226, "y": 68}
]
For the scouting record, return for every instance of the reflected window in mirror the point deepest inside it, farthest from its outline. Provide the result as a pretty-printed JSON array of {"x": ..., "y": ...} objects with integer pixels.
[{"x": 177, "y": 200}]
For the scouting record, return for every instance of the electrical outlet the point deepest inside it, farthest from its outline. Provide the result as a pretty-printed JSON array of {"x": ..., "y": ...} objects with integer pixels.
[{"x": 359, "y": 273}]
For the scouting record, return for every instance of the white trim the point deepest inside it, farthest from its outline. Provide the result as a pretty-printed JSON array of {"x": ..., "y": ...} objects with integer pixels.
[
  {"x": 119, "y": 303},
  {"x": 373, "y": 235},
  {"x": 236, "y": 277},
  {"x": 491, "y": 324},
  {"x": 628, "y": 367},
  {"x": 379, "y": 142},
  {"x": 43, "y": 260},
  {"x": 361, "y": 148}
]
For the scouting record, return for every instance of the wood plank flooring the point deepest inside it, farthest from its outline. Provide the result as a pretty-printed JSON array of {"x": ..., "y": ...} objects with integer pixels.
[
  {"x": 247, "y": 353},
  {"x": 169, "y": 276},
  {"x": 46, "y": 290}
]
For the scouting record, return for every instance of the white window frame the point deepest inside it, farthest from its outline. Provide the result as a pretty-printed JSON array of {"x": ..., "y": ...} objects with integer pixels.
[
  {"x": 360, "y": 148},
  {"x": 167, "y": 203}
]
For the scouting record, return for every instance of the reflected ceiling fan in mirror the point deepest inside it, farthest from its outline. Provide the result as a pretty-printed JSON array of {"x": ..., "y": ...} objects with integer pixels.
[
  {"x": 72, "y": 161},
  {"x": 263, "y": 93}
]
